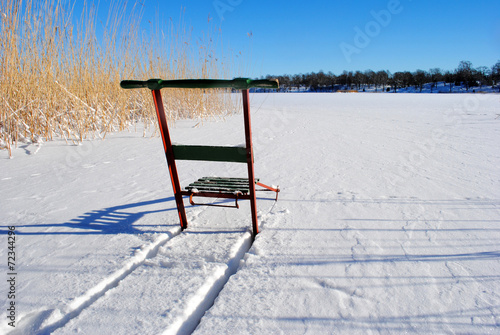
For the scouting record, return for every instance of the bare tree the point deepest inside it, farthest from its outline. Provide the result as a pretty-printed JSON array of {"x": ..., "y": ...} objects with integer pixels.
[
  {"x": 359, "y": 79},
  {"x": 285, "y": 82},
  {"x": 495, "y": 74},
  {"x": 322, "y": 79},
  {"x": 420, "y": 78},
  {"x": 381, "y": 78},
  {"x": 369, "y": 77},
  {"x": 436, "y": 76},
  {"x": 449, "y": 78},
  {"x": 483, "y": 73},
  {"x": 332, "y": 79},
  {"x": 465, "y": 73},
  {"x": 296, "y": 81},
  {"x": 398, "y": 80}
]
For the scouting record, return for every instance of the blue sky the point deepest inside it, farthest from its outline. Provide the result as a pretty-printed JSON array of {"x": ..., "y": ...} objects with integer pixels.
[{"x": 291, "y": 37}]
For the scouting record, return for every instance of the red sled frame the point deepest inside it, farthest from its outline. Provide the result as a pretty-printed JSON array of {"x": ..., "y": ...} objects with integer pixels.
[{"x": 247, "y": 156}]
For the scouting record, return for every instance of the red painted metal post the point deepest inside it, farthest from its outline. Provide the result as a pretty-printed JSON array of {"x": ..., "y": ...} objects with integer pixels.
[
  {"x": 169, "y": 154},
  {"x": 249, "y": 151}
]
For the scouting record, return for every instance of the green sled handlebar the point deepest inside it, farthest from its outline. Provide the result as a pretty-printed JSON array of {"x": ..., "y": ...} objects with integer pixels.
[{"x": 237, "y": 83}]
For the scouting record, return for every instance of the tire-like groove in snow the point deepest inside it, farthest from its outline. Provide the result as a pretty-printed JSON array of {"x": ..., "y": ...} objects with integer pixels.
[
  {"x": 205, "y": 296},
  {"x": 52, "y": 320}
]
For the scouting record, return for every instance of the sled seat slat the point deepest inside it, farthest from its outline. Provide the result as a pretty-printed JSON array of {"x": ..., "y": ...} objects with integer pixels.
[{"x": 220, "y": 185}]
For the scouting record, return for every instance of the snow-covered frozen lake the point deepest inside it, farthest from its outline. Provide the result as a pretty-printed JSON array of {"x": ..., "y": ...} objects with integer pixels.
[{"x": 388, "y": 221}]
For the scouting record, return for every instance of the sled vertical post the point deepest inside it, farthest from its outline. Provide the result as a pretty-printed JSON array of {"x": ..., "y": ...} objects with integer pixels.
[
  {"x": 249, "y": 152},
  {"x": 169, "y": 154}
]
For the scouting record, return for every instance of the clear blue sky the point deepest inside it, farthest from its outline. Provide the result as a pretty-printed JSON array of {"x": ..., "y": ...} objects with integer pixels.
[{"x": 291, "y": 37}]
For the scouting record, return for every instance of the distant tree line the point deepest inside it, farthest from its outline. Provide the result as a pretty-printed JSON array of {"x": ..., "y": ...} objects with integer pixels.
[{"x": 464, "y": 75}]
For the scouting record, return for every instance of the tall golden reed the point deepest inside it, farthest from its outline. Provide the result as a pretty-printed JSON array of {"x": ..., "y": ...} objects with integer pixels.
[{"x": 60, "y": 74}]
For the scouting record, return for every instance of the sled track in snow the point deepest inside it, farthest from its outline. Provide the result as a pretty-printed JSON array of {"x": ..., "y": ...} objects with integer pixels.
[
  {"x": 57, "y": 319},
  {"x": 205, "y": 296},
  {"x": 48, "y": 321}
]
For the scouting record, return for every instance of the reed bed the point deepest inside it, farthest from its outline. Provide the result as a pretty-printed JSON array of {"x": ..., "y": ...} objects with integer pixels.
[{"x": 60, "y": 73}]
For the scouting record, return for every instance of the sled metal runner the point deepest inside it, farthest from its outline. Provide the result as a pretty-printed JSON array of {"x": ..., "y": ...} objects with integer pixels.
[{"x": 210, "y": 187}]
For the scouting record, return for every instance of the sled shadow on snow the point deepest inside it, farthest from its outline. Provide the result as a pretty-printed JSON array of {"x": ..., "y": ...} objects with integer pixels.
[{"x": 112, "y": 220}]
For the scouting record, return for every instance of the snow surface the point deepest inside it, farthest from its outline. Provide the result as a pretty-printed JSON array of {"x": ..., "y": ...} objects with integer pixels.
[{"x": 388, "y": 221}]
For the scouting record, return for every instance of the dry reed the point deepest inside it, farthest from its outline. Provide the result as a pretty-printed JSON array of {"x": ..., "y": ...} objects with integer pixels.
[{"x": 59, "y": 77}]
